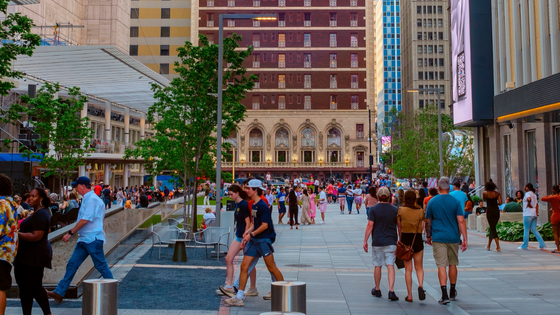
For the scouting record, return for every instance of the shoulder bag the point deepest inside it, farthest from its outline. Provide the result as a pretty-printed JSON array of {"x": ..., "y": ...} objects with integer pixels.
[{"x": 405, "y": 252}]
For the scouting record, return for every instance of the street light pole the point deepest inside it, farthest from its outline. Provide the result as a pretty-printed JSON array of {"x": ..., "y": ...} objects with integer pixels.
[{"x": 369, "y": 137}]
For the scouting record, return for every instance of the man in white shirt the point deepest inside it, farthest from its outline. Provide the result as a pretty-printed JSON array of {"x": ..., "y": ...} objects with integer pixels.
[
  {"x": 322, "y": 203},
  {"x": 91, "y": 238},
  {"x": 268, "y": 179}
]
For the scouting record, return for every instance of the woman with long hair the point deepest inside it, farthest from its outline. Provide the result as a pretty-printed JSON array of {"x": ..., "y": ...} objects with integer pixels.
[
  {"x": 554, "y": 201},
  {"x": 421, "y": 196},
  {"x": 305, "y": 200},
  {"x": 530, "y": 214},
  {"x": 34, "y": 254},
  {"x": 519, "y": 197},
  {"x": 312, "y": 206},
  {"x": 281, "y": 200},
  {"x": 358, "y": 197},
  {"x": 410, "y": 224},
  {"x": 242, "y": 216},
  {"x": 493, "y": 201},
  {"x": 371, "y": 199},
  {"x": 293, "y": 208}
]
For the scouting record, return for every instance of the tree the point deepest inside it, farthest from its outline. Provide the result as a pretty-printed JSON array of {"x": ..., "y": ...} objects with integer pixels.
[
  {"x": 15, "y": 32},
  {"x": 63, "y": 136},
  {"x": 184, "y": 115}
]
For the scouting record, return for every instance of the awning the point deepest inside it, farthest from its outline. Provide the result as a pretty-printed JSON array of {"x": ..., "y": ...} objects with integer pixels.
[{"x": 104, "y": 73}]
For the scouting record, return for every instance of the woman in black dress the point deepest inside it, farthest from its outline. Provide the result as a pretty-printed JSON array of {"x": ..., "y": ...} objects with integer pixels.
[
  {"x": 34, "y": 254},
  {"x": 493, "y": 201},
  {"x": 293, "y": 210}
]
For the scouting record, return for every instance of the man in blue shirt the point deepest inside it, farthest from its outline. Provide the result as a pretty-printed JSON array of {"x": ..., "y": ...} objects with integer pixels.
[
  {"x": 91, "y": 238},
  {"x": 445, "y": 215},
  {"x": 257, "y": 241},
  {"x": 459, "y": 195}
]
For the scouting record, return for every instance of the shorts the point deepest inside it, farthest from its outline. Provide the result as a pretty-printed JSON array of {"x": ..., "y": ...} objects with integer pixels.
[
  {"x": 329, "y": 195},
  {"x": 259, "y": 247},
  {"x": 358, "y": 199},
  {"x": 446, "y": 254},
  {"x": 418, "y": 245},
  {"x": 342, "y": 201},
  {"x": 5, "y": 275},
  {"x": 238, "y": 239},
  {"x": 281, "y": 207},
  {"x": 383, "y": 255},
  {"x": 323, "y": 207}
]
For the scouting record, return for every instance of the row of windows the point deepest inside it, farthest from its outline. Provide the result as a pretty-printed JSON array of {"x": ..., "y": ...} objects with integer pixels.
[
  {"x": 429, "y": 22},
  {"x": 164, "y": 31},
  {"x": 430, "y": 62},
  {"x": 391, "y": 47},
  {"x": 390, "y": 13},
  {"x": 391, "y": 35},
  {"x": 431, "y": 75},
  {"x": 283, "y": 37},
  {"x": 306, "y": 58},
  {"x": 165, "y": 13},
  {"x": 391, "y": 69},
  {"x": 429, "y": 9},
  {"x": 429, "y": 35},
  {"x": 441, "y": 89},
  {"x": 163, "y": 50},
  {"x": 391, "y": 25},
  {"x": 282, "y": 16},
  {"x": 282, "y": 78},
  {"x": 290, "y": 98},
  {"x": 429, "y": 49},
  {"x": 431, "y": 102},
  {"x": 281, "y": 3}
]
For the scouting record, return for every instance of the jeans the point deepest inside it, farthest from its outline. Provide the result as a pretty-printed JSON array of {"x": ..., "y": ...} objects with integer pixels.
[
  {"x": 107, "y": 203},
  {"x": 530, "y": 223},
  {"x": 81, "y": 252},
  {"x": 467, "y": 213},
  {"x": 350, "y": 201},
  {"x": 367, "y": 211}
]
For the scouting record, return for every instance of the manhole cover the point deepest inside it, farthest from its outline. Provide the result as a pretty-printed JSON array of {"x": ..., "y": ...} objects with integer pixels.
[
  {"x": 537, "y": 294},
  {"x": 299, "y": 265}
]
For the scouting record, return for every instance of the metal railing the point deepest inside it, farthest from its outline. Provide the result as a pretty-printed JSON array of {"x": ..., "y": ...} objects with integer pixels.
[
  {"x": 281, "y": 3},
  {"x": 306, "y": 85},
  {"x": 287, "y": 164},
  {"x": 354, "y": 43},
  {"x": 353, "y": 64},
  {"x": 306, "y": 105},
  {"x": 281, "y": 44},
  {"x": 256, "y": 105},
  {"x": 306, "y": 23},
  {"x": 333, "y": 106},
  {"x": 353, "y": 85},
  {"x": 281, "y": 23},
  {"x": 332, "y": 23},
  {"x": 307, "y": 64},
  {"x": 210, "y": 3},
  {"x": 231, "y": 23},
  {"x": 354, "y": 106},
  {"x": 281, "y": 64},
  {"x": 257, "y": 85},
  {"x": 256, "y": 64},
  {"x": 353, "y": 3},
  {"x": 332, "y": 43},
  {"x": 359, "y": 134},
  {"x": 332, "y": 85},
  {"x": 354, "y": 23},
  {"x": 281, "y": 105},
  {"x": 256, "y": 3},
  {"x": 307, "y": 43},
  {"x": 256, "y": 44},
  {"x": 256, "y": 23},
  {"x": 231, "y": 3},
  {"x": 306, "y": 3},
  {"x": 209, "y": 23},
  {"x": 332, "y": 3},
  {"x": 281, "y": 85},
  {"x": 333, "y": 64}
]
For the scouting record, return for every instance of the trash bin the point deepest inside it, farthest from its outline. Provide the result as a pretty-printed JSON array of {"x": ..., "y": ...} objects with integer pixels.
[
  {"x": 289, "y": 296},
  {"x": 100, "y": 297}
]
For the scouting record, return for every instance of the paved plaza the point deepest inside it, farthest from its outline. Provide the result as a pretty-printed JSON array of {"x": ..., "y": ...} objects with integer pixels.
[{"x": 339, "y": 277}]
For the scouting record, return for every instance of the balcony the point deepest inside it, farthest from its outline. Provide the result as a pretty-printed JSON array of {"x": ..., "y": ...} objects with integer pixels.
[
  {"x": 360, "y": 163},
  {"x": 210, "y": 42},
  {"x": 281, "y": 105},
  {"x": 231, "y": 23},
  {"x": 256, "y": 105},
  {"x": 209, "y": 23},
  {"x": 278, "y": 165},
  {"x": 281, "y": 44},
  {"x": 359, "y": 134},
  {"x": 332, "y": 43},
  {"x": 354, "y": 105},
  {"x": 333, "y": 64},
  {"x": 231, "y": 3},
  {"x": 332, "y": 23},
  {"x": 306, "y": 3},
  {"x": 256, "y": 23},
  {"x": 281, "y": 3},
  {"x": 256, "y": 44},
  {"x": 307, "y": 105},
  {"x": 354, "y": 64},
  {"x": 307, "y": 43},
  {"x": 210, "y": 3},
  {"x": 281, "y": 23},
  {"x": 256, "y": 3},
  {"x": 332, "y": 3},
  {"x": 353, "y": 3},
  {"x": 306, "y": 85},
  {"x": 256, "y": 64},
  {"x": 281, "y": 85},
  {"x": 257, "y": 85},
  {"x": 307, "y": 23},
  {"x": 333, "y": 106},
  {"x": 354, "y": 43},
  {"x": 354, "y": 23},
  {"x": 108, "y": 146},
  {"x": 332, "y": 85},
  {"x": 281, "y": 64},
  {"x": 307, "y": 64},
  {"x": 354, "y": 85}
]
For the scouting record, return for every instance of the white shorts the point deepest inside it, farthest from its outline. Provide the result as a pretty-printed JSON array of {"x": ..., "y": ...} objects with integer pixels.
[{"x": 383, "y": 255}]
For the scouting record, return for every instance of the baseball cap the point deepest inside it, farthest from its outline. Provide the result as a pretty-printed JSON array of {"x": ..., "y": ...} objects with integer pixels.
[
  {"x": 255, "y": 183},
  {"x": 384, "y": 191},
  {"x": 82, "y": 180}
]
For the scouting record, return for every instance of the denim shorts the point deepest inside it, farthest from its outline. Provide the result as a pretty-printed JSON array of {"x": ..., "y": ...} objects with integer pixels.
[
  {"x": 259, "y": 247},
  {"x": 383, "y": 255},
  {"x": 239, "y": 239}
]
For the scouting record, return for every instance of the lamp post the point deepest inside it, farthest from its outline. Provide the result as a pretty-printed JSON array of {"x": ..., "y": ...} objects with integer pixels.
[
  {"x": 269, "y": 17},
  {"x": 440, "y": 134},
  {"x": 369, "y": 138}
]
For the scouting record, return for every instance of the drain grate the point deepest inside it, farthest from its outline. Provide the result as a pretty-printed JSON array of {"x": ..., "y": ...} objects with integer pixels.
[
  {"x": 536, "y": 294},
  {"x": 299, "y": 265}
]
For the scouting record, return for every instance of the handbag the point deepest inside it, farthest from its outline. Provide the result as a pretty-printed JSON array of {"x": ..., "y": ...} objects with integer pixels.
[{"x": 404, "y": 251}]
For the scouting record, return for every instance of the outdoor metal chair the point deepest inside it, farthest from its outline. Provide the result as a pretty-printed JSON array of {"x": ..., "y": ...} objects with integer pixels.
[
  {"x": 212, "y": 236},
  {"x": 164, "y": 235}
]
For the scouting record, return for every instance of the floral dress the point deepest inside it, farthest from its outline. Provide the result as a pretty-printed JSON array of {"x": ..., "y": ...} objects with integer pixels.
[
  {"x": 305, "y": 210},
  {"x": 8, "y": 228}
]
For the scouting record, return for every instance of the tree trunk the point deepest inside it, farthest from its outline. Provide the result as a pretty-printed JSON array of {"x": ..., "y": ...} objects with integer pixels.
[{"x": 194, "y": 222}]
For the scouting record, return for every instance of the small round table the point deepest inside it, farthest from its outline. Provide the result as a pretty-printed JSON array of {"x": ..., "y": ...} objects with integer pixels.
[{"x": 180, "y": 251}]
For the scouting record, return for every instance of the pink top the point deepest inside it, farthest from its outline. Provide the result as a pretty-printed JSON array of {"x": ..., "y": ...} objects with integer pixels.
[
  {"x": 312, "y": 202},
  {"x": 370, "y": 201}
]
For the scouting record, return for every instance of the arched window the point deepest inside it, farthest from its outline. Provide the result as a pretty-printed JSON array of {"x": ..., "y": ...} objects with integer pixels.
[
  {"x": 333, "y": 137},
  {"x": 282, "y": 145},
  {"x": 308, "y": 145},
  {"x": 255, "y": 145},
  {"x": 282, "y": 138},
  {"x": 333, "y": 145}
]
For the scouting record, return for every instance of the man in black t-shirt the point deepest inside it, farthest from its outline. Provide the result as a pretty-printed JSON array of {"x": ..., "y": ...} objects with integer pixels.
[{"x": 106, "y": 195}]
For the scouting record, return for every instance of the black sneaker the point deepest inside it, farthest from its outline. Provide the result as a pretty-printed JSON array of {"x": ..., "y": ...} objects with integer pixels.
[
  {"x": 444, "y": 301},
  {"x": 393, "y": 296},
  {"x": 453, "y": 295},
  {"x": 376, "y": 293},
  {"x": 421, "y": 294}
]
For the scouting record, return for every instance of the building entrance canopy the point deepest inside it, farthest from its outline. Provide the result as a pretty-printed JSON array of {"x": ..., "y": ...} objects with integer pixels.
[{"x": 104, "y": 73}]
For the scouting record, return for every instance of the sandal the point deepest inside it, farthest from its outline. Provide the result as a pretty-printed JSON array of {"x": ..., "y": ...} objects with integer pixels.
[
  {"x": 407, "y": 299},
  {"x": 488, "y": 248},
  {"x": 555, "y": 252}
]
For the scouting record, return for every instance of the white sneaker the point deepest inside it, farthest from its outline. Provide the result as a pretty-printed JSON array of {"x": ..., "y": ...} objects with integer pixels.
[
  {"x": 234, "y": 301},
  {"x": 251, "y": 292},
  {"x": 268, "y": 296},
  {"x": 521, "y": 248},
  {"x": 542, "y": 247}
]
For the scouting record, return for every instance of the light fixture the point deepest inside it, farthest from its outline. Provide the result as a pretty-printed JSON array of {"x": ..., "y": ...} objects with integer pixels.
[
  {"x": 320, "y": 161},
  {"x": 268, "y": 161},
  {"x": 88, "y": 167},
  {"x": 347, "y": 161},
  {"x": 242, "y": 161},
  {"x": 295, "y": 162}
]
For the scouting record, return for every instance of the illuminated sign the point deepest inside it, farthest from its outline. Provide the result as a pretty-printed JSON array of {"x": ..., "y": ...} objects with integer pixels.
[{"x": 385, "y": 144}]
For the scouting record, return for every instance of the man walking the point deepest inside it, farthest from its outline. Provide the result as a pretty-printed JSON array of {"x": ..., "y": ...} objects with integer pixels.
[
  {"x": 446, "y": 216},
  {"x": 458, "y": 194},
  {"x": 322, "y": 204},
  {"x": 382, "y": 227},
  {"x": 91, "y": 238}
]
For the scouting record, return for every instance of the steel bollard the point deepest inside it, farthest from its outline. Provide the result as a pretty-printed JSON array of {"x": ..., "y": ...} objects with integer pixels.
[
  {"x": 288, "y": 296},
  {"x": 282, "y": 313},
  {"x": 100, "y": 297}
]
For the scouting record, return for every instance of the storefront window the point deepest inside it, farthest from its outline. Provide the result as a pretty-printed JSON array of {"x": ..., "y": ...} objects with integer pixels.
[
  {"x": 532, "y": 174},
  {"x": 507, "y": 165}
]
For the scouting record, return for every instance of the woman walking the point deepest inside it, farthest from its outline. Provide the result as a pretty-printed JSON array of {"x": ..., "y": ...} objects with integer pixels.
[
  {"x": 349, "y": 198},
  {"x": 312, "y": 207},
  {"x": 530, "y": 214},
  {"x": 281, "y": 200},
  {"x": 493, "y": 201},
  {"x": 242, "y": 219},
  {"x": 293, "y": 210},
  {"x": 409, "y": 223},
  {"x": 34, "y": 254},
  {"x": 358, "y": 197},
  {"x": 371, "y": 199},
  {"x": 305, "y": 200},
  {"x": 554, "y": 201}
]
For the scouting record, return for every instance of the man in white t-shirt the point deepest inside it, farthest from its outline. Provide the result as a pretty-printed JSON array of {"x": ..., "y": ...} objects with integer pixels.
[
  {"x": 322, "y": 203},
  {"x": 268, "y": 179},
  {"x": 530, "y": 215}
]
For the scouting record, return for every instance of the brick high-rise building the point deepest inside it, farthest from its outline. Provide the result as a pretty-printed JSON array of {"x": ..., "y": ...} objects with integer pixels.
[{"x": 308, "y": 111}]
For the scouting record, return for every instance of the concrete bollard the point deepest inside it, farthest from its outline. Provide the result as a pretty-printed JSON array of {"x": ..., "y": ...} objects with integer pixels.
[
  {"x": 289, "y": 296},
  {"x": 472, "y": 222},
  {"x": 100, "y": 297}
]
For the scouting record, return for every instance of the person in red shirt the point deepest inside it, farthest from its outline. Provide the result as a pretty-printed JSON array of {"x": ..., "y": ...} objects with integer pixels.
[
  {"x": 330, "y": 192},
  {"x": 554, "y": 201},
  {"x": 97, "y": 189}
]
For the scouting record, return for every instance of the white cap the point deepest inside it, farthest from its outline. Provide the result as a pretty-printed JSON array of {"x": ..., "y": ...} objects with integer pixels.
[{"x": 255, "y": 183}]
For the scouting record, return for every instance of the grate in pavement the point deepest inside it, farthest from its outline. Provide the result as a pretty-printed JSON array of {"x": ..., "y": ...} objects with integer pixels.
[{"x": 299, "y": 265}]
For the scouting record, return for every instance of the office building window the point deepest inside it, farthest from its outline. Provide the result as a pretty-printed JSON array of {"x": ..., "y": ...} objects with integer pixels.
[
  {"x": 419, "y": 22},
  {"x": 134, "y": 13},
  {"x": 164, "y": 50},
  {"x": 420, "y": 75},
  {"x": 165, "y": 13},
  {"x": 419, "y": 9},
  {"x": 133, "y": 50},
  {"x": 134, "y": 31},
  {"x": 163, "y": 68},
  {"x": 440, "y": 9},
  {"x": 419, "y": 49},
  {"x": 441, "y": 76},
  {"x": 165, "y": 32},
  {"x": 532, "y": 173}
]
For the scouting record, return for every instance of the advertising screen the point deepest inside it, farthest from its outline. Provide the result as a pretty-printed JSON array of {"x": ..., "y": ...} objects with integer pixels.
[
  {"x": 385, "y": 144},
  {"x": 461, "y": 61}
]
